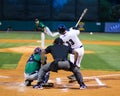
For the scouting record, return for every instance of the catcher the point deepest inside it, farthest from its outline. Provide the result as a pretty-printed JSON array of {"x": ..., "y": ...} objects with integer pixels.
[{"x": 32, "y": 67}]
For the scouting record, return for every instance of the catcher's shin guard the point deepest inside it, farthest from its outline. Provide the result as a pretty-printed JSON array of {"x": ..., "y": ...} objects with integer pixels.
[{"x": 46, "y": 77}]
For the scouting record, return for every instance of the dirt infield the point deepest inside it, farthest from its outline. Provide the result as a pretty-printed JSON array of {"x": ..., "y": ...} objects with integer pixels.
[{"x": 100, "y": 83}]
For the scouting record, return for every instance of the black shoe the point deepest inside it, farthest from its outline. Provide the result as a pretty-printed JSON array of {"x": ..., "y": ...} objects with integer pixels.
[
  {"x": 83, "y": 86},
  {"x": 38, "y": 86},
  {"x": 28, "y": 82}
]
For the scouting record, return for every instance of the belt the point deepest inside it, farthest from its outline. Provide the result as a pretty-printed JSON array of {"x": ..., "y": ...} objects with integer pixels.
[
  {"x": 81, "y": 46},
  {"x": 32, "y": 73},
  {"x": 78, "y": 47}
]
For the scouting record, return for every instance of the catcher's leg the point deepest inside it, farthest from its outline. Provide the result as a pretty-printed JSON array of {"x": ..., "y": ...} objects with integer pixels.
[
  {"x": 28, "y": 82},
  {"x": 29, "y": 78},
  {"x": 46, "y": 77}
]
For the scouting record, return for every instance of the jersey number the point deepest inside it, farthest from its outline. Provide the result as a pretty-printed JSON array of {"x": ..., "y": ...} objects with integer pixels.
[
  {"x": 70, "y": 42},
  {"x": 31, "y": 58}
]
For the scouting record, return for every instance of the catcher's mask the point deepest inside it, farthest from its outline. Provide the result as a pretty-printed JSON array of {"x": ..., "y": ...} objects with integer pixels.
[
  {"x": 37, "y": 50},
  {"x": 58, "y": 41},
  {"x": 61, "y": 28}
]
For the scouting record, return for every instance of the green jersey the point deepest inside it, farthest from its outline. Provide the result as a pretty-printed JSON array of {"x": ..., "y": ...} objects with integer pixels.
[
  {"x": 33, "y": 63},
  {"x": 40, "y": 27}
]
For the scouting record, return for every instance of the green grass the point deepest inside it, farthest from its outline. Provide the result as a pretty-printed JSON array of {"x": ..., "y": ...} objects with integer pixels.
[
  {"x": 106, "y": 57},
  {"x": 100, "y": 36},
  {"x": 19, "y": 35},
  {"x": 10, "y": 45},
  {"x": 9, "y": 60},
  {"x": 22, "y": 35},
  {"x": 36, "y": 36}
]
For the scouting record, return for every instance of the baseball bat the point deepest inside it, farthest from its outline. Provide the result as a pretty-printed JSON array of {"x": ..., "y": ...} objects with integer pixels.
[{"x": 83, "y": 13}]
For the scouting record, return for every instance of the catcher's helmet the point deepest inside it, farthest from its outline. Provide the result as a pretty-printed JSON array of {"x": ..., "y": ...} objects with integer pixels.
[
  {"x": 37, "y": 50},
  {"x": 61, "y": 28}
]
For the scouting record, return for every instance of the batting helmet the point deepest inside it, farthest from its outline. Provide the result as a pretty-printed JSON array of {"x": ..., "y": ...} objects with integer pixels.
[
  {"x": 37, "y": 50},
  {"x": 61, "y": 28}
]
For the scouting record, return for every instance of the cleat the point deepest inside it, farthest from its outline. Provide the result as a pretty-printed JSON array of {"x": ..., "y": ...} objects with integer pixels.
[
  {"x": 83, "y": 86},
  {"x": 38, "y": 86}
]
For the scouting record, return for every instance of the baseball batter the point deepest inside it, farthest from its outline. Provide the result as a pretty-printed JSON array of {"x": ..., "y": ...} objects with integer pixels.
[
  {"x": 32, "y": 67},
  {"x": 71, "y": 38}
]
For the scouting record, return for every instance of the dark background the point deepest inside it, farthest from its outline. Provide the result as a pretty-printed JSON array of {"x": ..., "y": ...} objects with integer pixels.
[{"x": 60, "y": 10}]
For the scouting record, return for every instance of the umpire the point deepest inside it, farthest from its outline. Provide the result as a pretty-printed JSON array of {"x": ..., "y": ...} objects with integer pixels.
[{"x": 60, "y": 55}]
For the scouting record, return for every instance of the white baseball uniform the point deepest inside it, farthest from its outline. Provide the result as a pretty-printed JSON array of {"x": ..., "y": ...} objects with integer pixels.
[{"x": 71, "y": 38}]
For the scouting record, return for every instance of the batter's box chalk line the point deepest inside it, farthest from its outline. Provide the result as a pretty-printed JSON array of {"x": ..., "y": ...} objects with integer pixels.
[
  {"x": 59, "y": 82},
  {"x": 98, "y": 83}
]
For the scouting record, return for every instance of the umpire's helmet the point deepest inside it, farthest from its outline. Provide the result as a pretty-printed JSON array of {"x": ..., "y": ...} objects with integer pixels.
[
  {"x": 37, "y": 50},
  {"x": 61, "y": 28},
  {"x": 58, "y": 41}
]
